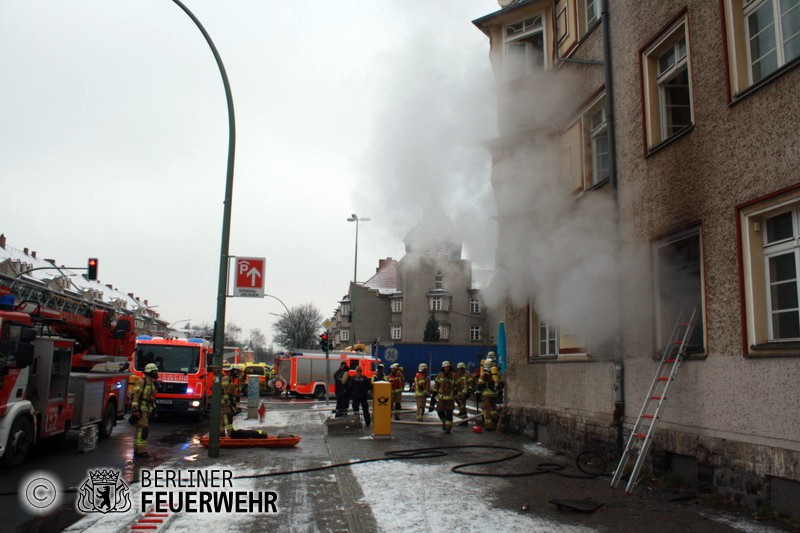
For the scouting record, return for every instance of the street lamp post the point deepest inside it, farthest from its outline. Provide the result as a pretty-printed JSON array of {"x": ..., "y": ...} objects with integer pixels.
[{"x": 354, "y": 218}]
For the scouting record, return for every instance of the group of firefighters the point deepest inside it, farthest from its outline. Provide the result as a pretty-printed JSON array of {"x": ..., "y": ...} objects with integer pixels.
[{"x": 448, "y": 390}]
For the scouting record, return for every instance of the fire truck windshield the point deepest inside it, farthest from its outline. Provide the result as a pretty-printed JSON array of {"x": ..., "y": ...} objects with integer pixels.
[{"x": 184, "y": 359}]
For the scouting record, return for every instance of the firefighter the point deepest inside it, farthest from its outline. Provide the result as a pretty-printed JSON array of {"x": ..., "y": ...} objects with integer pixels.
[
  {"x": 340, "y": 379},
  {"x": 228, "y": 402},
  {"x": 464, "y": 387},
  {"x": 379, "y": 375},
  {"x": 396, "y": 379},
  {"x": 421, "y": 389},
  {"x": 445, "y": 385},
  {"x": 488, "y": 388},
  {"x": 359, "y": 391},
  {"x": 143, "y": 408}
]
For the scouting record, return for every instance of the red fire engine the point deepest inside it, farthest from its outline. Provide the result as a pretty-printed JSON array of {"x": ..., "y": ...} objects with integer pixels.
[
  {"x": 59, "y": 370},
  {"x": 185, "y": 377},
  {"x": 306, "y": 373}
]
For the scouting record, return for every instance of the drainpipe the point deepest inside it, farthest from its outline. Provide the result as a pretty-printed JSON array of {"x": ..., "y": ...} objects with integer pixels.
[{"x": 619, "y": 363}]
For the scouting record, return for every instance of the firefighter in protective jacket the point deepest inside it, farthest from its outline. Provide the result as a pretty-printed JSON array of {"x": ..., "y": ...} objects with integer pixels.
[
  {"x": 465, "y": 384},
  {"x": 395, "y": 377},
  {"x": 445, "y": 386},
  {"x": 421, "y": 390},
  {"x": 229, "y": 402},
  {"x": 143, "y": 407},
  {"x": 488, "y": 387}
]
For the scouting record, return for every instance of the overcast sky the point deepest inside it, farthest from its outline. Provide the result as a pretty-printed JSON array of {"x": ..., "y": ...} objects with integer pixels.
[{"x": 114, "y": 139}]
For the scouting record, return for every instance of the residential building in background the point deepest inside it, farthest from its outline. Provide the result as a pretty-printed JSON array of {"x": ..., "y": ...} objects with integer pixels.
[{"x": 635, "y": 182}]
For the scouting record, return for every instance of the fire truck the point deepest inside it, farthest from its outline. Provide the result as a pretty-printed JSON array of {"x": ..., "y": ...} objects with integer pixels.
[
  {"x": 60, "y": 370},
  {"x": 305, "y": 373},
  {"x": 185, "y": 377}
]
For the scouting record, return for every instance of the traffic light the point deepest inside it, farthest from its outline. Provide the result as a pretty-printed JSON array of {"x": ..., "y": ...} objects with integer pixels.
[
  {"x": 91, "y": 268},
  {"x": 323, "y": 342}
]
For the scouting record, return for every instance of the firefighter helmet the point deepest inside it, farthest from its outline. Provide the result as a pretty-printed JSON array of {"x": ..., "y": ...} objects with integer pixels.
[
  {"x": 395, "y": 365},
  {"x": 447, "y": 363},
  {"x": 380, "y": 365},
  {"x": 423, "y": 366},
  {"x": 461, "y": 365},
  {"x": 491, "y": 355},
  {"x": 151, "y": 369},
  {"x": 234, "y": 372}
]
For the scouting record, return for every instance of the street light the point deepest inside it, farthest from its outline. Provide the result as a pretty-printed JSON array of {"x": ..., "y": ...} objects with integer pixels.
[{"x": 354, "y": 218}]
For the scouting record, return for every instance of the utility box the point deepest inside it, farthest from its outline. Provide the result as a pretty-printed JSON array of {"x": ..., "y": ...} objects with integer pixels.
[
  {"x": 382, "y": 410},
  {"x": 253, "y": 390}
]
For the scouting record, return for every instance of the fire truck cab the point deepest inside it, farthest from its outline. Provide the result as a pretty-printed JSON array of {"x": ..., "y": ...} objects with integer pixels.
[{"x": 184, "y": 373}]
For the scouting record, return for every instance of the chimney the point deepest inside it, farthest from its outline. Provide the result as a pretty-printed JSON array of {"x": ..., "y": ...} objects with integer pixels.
[
  {"x": 146, "y": 302},
  {"x": 109, "y": 286},
  {"x": 25, "y": 251},
  {"x": 130, "y": 294},
  {"x": 33, "y": 254},
  {"x": 2, "y": 240},
  {"x": 51, "y": 261}
]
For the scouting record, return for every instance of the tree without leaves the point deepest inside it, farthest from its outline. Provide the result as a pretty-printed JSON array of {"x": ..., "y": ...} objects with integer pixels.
[
  {"x": 298, "y": 329},
  {"x": 431, "y": 330}
]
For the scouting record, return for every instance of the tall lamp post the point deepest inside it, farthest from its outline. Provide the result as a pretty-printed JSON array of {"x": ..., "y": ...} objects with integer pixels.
[{"x": 354, "y": 218}]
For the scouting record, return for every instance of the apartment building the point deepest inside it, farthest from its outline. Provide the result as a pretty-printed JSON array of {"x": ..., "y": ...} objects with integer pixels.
[{"x": 647, "y": 167}]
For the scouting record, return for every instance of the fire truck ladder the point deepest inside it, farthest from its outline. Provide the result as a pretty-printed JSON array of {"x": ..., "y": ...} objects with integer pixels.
[{"x": 642, "y": 434}]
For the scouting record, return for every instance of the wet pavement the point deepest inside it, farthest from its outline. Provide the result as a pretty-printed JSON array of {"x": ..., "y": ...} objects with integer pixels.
[{"x": 404, "y": 494}]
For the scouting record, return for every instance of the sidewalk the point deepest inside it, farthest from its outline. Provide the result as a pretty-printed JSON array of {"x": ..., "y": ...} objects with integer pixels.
[{"x": 420, "y": 495}]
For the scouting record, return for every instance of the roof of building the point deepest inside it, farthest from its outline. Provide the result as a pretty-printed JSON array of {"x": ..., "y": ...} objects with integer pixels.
[{"x": 385, "y": 279}]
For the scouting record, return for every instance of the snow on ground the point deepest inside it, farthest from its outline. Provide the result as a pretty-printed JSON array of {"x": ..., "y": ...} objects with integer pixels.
[
  {"x": 431, "y": 503},
  {"x": 537, "y": 448}
]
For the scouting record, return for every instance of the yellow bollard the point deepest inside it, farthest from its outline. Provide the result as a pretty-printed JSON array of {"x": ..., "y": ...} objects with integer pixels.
[{"x": 382, "y": 410}]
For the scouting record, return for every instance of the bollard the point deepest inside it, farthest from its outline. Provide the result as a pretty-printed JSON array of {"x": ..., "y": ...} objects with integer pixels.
[
  {"x": 382, "y": 410},
  {"x": 253, "y": 392}
]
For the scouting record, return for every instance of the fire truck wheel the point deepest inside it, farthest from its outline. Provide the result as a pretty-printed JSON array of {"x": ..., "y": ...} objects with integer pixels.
[
  {"x": 109, "y": 421},
  {"x": 19, "y": 443},
  {"x": 319, "y": 392}
]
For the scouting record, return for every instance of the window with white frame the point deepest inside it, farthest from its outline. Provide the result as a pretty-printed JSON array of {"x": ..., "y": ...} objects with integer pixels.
[
  {"x": 345, "y": 309},
  {"x": 344, "y": 335},
  {"x": 474, "y": 305},
  {"x": 596, "y": 127},
  {"x": 436, "y": 303},
  {"x": 781, "y": 234},
  {"x": 668, "y": 95},
  {"x": 548, "y": 339},
  {"x": 396, "y": 332},
  {"x": 397, "y": 305},
  {"x": 524, "y": 48},
  {"x": 679, "y": 291},
  {"x": 591, "y": 9},
  {"x": 770, "y": 231},
  {"x": 474, "y": 333},
  {"x": 444, "y": 331},
  {"x": 772, "y": 29}
]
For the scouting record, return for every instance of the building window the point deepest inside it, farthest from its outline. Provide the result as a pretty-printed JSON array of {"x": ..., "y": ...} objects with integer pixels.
[
  {"x": 596, "y": 128},
  {"x": 397, "y": 305},
  {"x": 592, "y": 15},
  {"x": 396, "y": 332},
  {"x": 782, "y": 267},
  {"x": 345, "y": 309},
  {"x": 444, "y": 331},
  {"x": 438, "y": 282},
  {"x": 436, "y": 303},
  {"x": 668, "y": 95},
  {"x": 562, "y": 24},
  {"x": 344, "y": 335},
  {"x": 679, "y": 278},
  {"x": 524, "y": 48},
  {"x": 474, "y": 333},
  {"x": 772, "y": 35},
  {"x": 474, "y": 305},
  {"x": 771, "y": 269},
  {"x": 548, "y": 339}
]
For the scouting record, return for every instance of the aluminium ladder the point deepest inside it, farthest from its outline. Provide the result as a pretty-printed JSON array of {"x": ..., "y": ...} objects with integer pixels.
[{"x": 642, "y": 433}]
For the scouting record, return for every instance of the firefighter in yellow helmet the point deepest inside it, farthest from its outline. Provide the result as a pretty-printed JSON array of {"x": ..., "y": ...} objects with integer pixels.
[
  {"x": 445, "y": 387},
  {"x": 465, "y": 384},
  {"x": 487, "y": 386},
  {"x": 421, "y": 389},
  {"x": 143, "y": 408},
  {"x": 395, "y": 377},
  {"x": 228, "y": 402}
]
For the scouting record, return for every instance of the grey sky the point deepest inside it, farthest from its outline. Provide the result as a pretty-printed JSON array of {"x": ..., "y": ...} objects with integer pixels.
[{"x": 113, "y": 140}]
